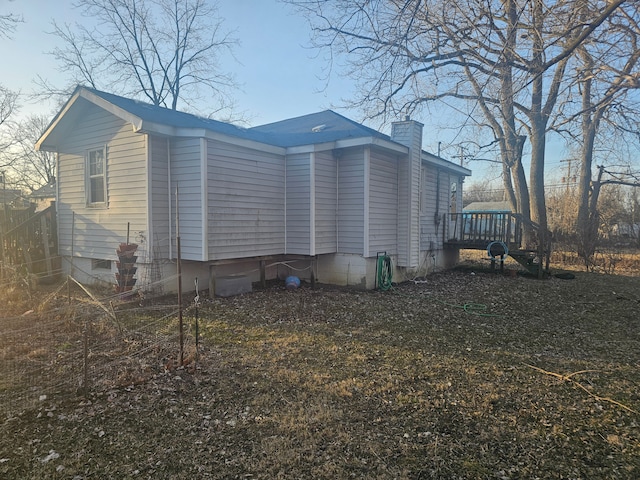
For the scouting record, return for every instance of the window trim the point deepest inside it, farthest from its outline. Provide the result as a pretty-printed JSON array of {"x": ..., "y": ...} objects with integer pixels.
[{"x": 89, "y": 177}]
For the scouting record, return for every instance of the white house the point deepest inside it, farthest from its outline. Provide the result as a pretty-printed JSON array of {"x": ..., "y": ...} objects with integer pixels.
[{"x": 318, "y": 193}]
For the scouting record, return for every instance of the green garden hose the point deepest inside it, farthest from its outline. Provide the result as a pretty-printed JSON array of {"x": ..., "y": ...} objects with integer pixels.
[{"x": 385, "y": 272}]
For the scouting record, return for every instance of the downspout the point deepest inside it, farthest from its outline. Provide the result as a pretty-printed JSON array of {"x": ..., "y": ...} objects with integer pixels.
[
  {"x": 436, "y": 217},
  {"x": 410, "y": 193},
  {"x": 312, "y": 204},
  {"x": 286, "y": 181},
  {"x": 204, "y": 197},
  {"x": 149, "y": 152},
  {"x": 169, "y": 198},
  {"x": 366, "y": 206},
  {"x": 58, "y": 229},
  {"x": 337, "y": 218}
]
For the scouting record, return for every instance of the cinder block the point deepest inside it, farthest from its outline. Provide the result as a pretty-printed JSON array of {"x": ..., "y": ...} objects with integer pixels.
[{"x": 232, "y": 285}]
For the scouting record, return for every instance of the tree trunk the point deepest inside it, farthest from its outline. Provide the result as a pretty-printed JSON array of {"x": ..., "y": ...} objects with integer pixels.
[{"x": 588, "y": 191}]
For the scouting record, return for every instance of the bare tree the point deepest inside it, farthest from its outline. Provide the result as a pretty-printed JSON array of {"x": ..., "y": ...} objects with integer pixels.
[
  {"x": 607, "y": 71},
  {"x": 8, "y": 104},
  {"x": 30, "y": 169},
  {"x": 8, "y": 24},
  {"x": 8, "y": 107},
  {"x": 164, "y": 51},
  {"x": 8, "y": 98},
  {"x": 506, "y": 59},
  {"x": 483, "y": 191}
]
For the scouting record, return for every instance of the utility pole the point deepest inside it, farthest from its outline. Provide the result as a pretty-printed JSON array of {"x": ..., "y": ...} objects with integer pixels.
[{"x": 567, "y": 178}]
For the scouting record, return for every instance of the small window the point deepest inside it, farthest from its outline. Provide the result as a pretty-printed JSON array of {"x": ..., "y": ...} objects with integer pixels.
[
  {"x": 99, "y": 264},
  {"x": 96, "y": 178}
]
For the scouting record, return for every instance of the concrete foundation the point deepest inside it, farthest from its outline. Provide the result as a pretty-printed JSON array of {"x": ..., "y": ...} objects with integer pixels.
[
  {"x": 230, "y": 286},
  {"x": 236, "y": 277}
]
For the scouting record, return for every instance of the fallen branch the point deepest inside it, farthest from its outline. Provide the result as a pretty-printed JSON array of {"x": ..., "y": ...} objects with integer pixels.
[{"x": 567, "y": 378}]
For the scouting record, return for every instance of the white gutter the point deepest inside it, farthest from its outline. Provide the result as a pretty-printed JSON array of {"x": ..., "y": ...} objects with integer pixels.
[
  {"x": 349, "y": 142},
  {"x": 441, "y": 163}
]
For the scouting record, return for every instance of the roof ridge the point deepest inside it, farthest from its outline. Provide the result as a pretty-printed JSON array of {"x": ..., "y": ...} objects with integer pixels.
[
  {"x": 102, "y": 93},
  {"x": 312, "y": 128}
]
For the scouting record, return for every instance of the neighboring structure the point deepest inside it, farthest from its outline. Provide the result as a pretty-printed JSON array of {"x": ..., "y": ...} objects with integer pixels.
[
  {"x": 488, "y": 207},
  {"x": 623, "y": 232},
  {"x": 11, "y": 198},
  {"x": 487, "y": 222},
  {"x": 319, "y": 193},
  {"x": 44, "y": 196}
]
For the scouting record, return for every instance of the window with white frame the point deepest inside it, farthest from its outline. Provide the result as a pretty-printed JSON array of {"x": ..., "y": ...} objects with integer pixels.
[{"x": 96, "y": 182}]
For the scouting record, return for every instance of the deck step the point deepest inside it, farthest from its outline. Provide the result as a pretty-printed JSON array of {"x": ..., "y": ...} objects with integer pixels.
[{"x": 526, "y": 258}]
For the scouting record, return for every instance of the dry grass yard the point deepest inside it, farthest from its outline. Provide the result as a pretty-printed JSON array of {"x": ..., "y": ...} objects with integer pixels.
[{"x": 465, "y": 375}]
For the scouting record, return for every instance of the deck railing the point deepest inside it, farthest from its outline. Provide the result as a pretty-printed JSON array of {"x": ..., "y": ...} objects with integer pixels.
[
  {"x": 478, "y": 229},
  {"x": 525, "y": 240}
]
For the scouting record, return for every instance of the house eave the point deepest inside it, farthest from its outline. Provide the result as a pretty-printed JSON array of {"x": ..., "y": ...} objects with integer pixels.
[
  {"x": 441, "y": 163},
  {"x": 41, "y": 144},
  {"x": 113, "y": 109},
  {"x": 47, "y": 141},
  {"x": 170, "y": 131},
  {"x": 349, "y": 143}
]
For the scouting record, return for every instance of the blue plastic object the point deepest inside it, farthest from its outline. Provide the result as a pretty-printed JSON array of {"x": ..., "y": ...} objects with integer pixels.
[{"x": 292, "y": 282}]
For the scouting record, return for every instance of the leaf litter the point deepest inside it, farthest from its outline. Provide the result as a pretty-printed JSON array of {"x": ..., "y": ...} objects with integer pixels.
[{"x": 464, "y": 375}]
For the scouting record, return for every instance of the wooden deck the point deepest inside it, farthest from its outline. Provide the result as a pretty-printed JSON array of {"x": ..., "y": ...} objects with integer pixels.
[{"x": 477, "y": 231}]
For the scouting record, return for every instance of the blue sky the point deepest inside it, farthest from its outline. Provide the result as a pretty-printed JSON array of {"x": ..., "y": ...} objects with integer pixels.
[{"x": 279, "y": 76}]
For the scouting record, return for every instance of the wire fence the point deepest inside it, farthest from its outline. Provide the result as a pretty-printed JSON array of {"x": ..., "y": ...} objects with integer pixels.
[{"x": 66, "y": 340}]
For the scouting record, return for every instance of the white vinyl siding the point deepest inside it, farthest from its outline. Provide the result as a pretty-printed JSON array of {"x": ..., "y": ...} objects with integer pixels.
[
  {"x": 245, "y": 201},
  {"x": 160, "y": 198},
  {"x": 185, "y": 180},
  {"x": 437, "y": 197},
  {"x": 326, "y": 203},
  {"x": 383, "y": 209},
  {"x": 298, "y": 204},
  {"x": 429, "y": 233},
  {"x": 409, "y": 133},
  {"x": 97, "y": 232},
  {"x": 351, "y": 201}
]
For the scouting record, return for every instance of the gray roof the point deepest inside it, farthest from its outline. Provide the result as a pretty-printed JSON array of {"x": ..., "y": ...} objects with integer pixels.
[
  {"x": 174, "y": 118},
  {"x": 321, "y": 127},
  {"x": 46, "y": 191},
  {"x": 488, "y": 207},
  {"x": 318, "y": 128}
]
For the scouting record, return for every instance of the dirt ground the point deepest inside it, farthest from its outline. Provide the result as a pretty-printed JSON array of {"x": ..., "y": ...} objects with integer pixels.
[{"x": 462, "y": 375}]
